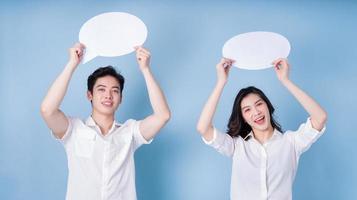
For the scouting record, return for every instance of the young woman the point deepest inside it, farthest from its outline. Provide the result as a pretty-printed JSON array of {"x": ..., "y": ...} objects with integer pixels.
[{"x": 264, "y": 160}]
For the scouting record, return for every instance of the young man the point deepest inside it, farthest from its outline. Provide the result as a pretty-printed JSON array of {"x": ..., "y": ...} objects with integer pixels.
[{"x": 100, "y": 151}]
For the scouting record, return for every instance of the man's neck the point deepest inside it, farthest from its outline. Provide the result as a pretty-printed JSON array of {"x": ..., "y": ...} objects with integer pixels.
[{"x": 105, "y": 122}]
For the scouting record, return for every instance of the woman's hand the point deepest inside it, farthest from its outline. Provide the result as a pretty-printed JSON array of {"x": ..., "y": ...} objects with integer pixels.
[
  {"x": 281, "y": 67},
  {"x": 223, "y": 68}
]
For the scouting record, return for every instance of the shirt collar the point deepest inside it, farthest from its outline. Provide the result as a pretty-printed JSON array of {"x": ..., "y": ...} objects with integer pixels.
[
  {"x": 276, "y": 134},
  {"x": 90, "y": 122},
  {"x": 250, "y": 135}
]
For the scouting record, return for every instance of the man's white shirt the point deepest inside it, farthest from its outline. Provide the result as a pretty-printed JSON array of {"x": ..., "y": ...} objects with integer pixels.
[{"x": 101, "y": 167}]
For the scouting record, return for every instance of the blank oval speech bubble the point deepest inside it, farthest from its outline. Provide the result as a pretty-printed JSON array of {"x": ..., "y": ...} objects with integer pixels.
[
  {"x": 256, "y": 50},
  {"x": 111, "y": 34}
]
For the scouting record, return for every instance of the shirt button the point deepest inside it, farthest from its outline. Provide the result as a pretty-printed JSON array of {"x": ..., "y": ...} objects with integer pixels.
[{"x": 264, "y": 154}]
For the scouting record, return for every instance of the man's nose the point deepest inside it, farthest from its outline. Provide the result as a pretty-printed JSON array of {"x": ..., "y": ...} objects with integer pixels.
[{"x": 109, "y": 95}]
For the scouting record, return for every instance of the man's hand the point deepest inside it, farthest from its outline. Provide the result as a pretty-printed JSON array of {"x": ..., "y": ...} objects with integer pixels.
[
  {"x": 142, "y": 57},
  {"x": 76, "y": 54}
]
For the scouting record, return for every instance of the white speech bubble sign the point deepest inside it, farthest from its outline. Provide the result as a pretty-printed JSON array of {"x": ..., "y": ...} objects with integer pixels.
[
  {"x": 111, "y": 34},
  {"x": 256, "y": 50}
]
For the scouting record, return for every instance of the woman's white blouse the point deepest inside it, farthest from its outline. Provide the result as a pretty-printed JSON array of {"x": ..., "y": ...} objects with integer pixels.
[{"x": 265, "y": 171}]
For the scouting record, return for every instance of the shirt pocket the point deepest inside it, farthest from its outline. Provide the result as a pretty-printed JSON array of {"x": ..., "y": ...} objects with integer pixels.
[
  {"x": 121, "y": 148},
  {"x": 84, "y": 143}
]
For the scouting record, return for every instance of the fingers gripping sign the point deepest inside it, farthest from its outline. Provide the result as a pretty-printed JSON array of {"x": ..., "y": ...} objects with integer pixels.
[
  {"x": 281, "y": 67},
  {"x": 223, "y": 68},
  {"x": 143, "y": 57},
  {"x": 76, "y": 53}
]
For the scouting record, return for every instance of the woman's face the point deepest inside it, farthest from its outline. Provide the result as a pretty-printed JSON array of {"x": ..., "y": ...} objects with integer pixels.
[{"x": 255, "y": 112}]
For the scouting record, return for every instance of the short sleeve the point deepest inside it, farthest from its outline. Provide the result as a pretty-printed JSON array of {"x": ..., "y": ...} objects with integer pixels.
[
  {"x": 138, "y": 137},
  {"x": 305, "y": 136},
  {"x": 68, "y": 132},
  {"x": 222, "y": 142}
]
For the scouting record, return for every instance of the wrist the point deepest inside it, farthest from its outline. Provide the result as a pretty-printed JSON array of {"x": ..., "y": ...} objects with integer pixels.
[
  {"x": 72, "y": 65},
  {"x": 285, "y": 81},
  {"x": 145, "y": 69},
  {"x": 221, "y": 82}
]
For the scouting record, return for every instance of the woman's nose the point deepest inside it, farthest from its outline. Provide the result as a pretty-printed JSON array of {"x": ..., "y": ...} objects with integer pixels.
[{"x": 256, "y": 111}]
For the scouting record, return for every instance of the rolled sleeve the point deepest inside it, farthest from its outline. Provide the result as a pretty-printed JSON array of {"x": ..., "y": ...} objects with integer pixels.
[
  {"x": 138, "y": 137},
  {"x": 223, "y": 143},
  {"x": 210, "y": 142},
  {"x": 306, "y": 135},
  {"x": 68, "y": 131}
]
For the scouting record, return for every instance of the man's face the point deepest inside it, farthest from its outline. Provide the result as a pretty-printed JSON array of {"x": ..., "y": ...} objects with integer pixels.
[{"x": 106, "y": 95}]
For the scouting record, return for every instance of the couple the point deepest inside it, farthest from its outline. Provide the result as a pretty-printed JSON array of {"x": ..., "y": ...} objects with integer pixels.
[{"x": 100, "y": 151}]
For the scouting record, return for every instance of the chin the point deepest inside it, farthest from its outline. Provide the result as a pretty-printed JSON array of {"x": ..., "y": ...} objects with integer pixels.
[
  {"x": 107, "y": 112},
  {"x": 262, "y": 128}
]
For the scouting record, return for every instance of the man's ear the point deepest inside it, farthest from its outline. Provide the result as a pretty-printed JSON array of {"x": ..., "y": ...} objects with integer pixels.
[
  {"x": 121, "y": 98},
  {"x": 89, "y": 96}
]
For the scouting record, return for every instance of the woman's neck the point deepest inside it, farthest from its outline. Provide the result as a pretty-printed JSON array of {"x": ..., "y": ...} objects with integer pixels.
[{"x": 263, "y": 135}]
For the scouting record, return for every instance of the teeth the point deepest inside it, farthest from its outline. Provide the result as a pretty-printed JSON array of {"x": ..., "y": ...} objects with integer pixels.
[{"x": 260, "y": 118}]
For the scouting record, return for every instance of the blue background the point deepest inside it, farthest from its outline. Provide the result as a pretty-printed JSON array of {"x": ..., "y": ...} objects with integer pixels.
[{"x": 185, "y": 39}]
